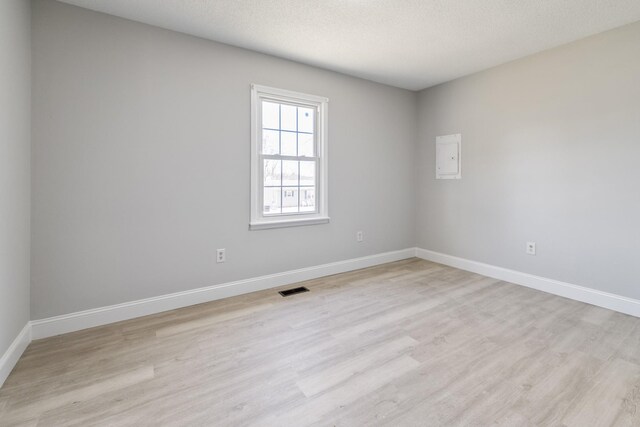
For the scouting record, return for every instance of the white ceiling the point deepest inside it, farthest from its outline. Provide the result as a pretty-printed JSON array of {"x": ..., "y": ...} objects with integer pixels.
[{"x": 411, "y": 44}]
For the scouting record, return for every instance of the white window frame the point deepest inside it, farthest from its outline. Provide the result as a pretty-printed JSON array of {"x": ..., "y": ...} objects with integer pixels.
[{"x": 258, "y": 220}]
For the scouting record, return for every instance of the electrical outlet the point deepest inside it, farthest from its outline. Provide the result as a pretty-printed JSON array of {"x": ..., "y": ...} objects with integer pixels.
[
  {"x": 359, "y": 236},
  {"x": 221, "y": 256},
  {"x": 531, "y": 248}
]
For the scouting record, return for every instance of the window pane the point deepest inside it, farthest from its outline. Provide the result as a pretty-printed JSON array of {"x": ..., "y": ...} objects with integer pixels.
[
  {"x": 305, "y": 119},
  {"x": 270, "y": 143},
  {"x": 305, "y": 145},
  {"x": 271, "y": 202},
  {"x": 288, "y": 117},
  {"x": 272, "y": 172},
  {"x": 307, "y": 199},
  {"x": 288, "y": 143},
  {"x": 289, "y": 199},
  {"x": 289, "y": 172},
  {"x": 270, "y": 115},
  {"x": 308, "y": 173}
]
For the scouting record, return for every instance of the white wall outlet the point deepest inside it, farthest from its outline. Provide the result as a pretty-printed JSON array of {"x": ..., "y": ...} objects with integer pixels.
[
  {"x": 531, "y": 248},
  {"x": 221, "y": 255},
  {"x": 359, "y": 236}
]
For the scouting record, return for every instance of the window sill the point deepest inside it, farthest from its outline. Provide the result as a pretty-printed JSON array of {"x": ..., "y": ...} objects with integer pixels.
[{"x": 264, "y": 225}]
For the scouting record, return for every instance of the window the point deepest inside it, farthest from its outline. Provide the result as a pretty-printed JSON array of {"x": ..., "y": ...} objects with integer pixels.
[{"x": 288, "y": 158}]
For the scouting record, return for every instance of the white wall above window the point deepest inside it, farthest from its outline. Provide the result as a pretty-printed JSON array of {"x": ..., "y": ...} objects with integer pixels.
[{"x": 288, "y": 158}]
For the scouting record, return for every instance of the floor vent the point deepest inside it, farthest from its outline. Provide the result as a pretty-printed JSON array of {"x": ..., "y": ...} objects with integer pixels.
[{"x": 293, "y": 291}]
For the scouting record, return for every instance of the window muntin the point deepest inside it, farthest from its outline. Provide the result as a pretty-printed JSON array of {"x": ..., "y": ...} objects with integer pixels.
[{"x": 289, "y": 157}]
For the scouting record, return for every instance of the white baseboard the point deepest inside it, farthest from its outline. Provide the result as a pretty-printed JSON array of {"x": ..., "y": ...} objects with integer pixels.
[
  {"x": 44, "y": 328},
  {"x": 13, "y": 353},
  {"x": 579, "y": 293},
  {"x": 114, "y": 313}
]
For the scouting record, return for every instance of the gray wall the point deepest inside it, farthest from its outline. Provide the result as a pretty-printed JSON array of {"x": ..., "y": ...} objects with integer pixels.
[
  {"x": 141, "y": 163},
  {"x": 15, "y": 146},
  {"x": 550, "y": 153}
]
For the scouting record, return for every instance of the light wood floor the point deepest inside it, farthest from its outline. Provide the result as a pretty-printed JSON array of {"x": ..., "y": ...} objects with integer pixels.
[{"x": 410, "y": 343}]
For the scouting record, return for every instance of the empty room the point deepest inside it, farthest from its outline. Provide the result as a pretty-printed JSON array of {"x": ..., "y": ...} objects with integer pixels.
[{"x": 320, "y": 213}]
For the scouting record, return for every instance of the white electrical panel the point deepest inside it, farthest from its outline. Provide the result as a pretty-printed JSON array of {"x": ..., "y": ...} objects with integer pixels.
[{"x": 449, "y": 156}]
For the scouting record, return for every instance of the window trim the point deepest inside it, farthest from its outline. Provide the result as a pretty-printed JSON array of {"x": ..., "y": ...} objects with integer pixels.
[{"x": 258, "y": 220}]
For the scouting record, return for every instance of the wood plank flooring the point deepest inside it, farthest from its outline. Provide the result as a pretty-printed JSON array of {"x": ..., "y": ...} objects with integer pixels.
[{"x": 410, "y": 343}]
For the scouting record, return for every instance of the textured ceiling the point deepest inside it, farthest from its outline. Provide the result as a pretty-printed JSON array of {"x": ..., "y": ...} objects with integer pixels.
[{"x": 411, "y": 44}]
